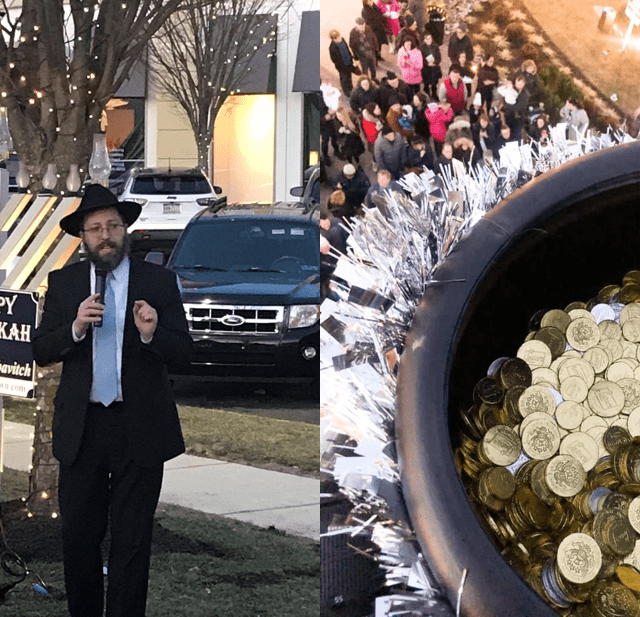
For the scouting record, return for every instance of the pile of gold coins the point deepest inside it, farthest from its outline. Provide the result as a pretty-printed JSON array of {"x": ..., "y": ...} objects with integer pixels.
[{"x": 550, "y": 454}]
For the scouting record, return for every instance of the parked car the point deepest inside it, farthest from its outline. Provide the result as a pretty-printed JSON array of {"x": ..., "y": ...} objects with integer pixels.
[
  {"x": 250, "y": 284},
  {"x": 309, "y": 191},
  {"x": 169, "y": 198}
]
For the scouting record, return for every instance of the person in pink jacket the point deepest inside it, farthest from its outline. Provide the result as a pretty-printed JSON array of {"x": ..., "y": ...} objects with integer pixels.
[
  {"x": 438, "y": 115},
  {"x": 391, "y": 11},
  {"x": 410, "y": 61}
]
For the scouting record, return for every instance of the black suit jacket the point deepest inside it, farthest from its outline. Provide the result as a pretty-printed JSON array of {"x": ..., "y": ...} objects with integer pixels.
[{"x": 152, "y": 418}]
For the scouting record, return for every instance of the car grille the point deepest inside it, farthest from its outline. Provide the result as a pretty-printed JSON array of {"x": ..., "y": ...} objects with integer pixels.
[{"x": 221, "y": 319}]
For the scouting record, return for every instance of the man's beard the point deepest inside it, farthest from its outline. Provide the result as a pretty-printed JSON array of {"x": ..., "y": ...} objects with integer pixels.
[{"x": 109, "y": 262}]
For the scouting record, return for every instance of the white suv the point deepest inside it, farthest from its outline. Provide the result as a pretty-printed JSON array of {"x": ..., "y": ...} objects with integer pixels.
[{"x": 169, "y": 198}]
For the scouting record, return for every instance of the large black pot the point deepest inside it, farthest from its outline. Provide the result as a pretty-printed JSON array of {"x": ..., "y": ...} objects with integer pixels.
[{"x": 561, "y": 238}]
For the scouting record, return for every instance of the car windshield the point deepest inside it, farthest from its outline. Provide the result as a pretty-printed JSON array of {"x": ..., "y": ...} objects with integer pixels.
[
  {"x": 171, "y": 185},
  {"x": 250, "y": 246}
]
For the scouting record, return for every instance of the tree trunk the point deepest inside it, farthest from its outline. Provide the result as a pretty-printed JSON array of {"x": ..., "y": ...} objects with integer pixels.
[
  {"x": 43, "y": 481},
  {"x": 204, "y": 147}
]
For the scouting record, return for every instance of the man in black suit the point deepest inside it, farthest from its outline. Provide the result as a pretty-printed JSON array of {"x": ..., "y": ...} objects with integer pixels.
[{"x": 115, "y": 421}]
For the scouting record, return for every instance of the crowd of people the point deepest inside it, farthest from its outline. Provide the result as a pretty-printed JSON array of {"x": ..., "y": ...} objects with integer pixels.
[{"x": 446, "y": 107}]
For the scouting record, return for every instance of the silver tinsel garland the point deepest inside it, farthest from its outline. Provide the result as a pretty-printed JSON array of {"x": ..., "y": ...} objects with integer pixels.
[{"x": 393, "y": 250}]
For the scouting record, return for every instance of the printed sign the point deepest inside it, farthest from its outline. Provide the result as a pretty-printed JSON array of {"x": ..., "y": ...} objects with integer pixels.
[{"x": 18, "y": 314}]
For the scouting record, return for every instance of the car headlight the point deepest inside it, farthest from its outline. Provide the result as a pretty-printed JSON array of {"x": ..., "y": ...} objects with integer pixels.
[{"x": 303, "y": 315}]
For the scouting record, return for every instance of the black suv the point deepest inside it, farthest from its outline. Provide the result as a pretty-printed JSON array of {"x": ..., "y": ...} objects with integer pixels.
[{"x": 249, "y": 279}]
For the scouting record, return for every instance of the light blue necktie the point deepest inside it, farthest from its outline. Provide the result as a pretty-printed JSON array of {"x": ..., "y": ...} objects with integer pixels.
[{"x": 105, "y": 370}]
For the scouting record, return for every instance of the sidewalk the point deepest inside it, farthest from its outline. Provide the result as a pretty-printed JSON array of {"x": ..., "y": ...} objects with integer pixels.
[{"x": 258, "y": 496}]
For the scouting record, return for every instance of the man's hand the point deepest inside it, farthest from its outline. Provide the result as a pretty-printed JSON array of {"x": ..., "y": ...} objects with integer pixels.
[
  {"x": 90, "y": 311},
  {"x": 145, "y": 318}
]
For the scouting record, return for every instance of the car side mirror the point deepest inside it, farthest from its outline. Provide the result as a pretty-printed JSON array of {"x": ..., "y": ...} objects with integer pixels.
[
  {"x": 297, "y": 191},
  {"x": 155, "y": 257},
  {"x": 218, "y": 205},
  {"x": 217, "y": 190}
]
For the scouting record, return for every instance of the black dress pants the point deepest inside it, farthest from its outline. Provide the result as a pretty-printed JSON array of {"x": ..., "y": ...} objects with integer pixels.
[{"x": 105, "y": 486}]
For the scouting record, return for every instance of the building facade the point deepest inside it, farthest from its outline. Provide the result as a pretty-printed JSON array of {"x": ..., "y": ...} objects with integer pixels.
[{"x": 262, "y": 142}]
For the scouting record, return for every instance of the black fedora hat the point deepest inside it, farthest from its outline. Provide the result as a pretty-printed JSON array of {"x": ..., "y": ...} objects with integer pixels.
[{"x": 97, "y": 197}]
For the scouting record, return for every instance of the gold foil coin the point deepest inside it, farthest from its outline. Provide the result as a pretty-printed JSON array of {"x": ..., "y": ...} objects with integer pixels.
[
  {"x": 606, "y": 398},
  {"x": 501, "y": 445},
  {"x": 610, "y": 329},
  {"x": 598, "y": 357},
  {"x": 535, "y": 353},
  {"x": 611, "y": 599},
  {"x": 545, "y": 375},
  {"x": 615, "y": 347},
  {"x": 619, "y": 370},
  {"x": 578, "y": 313},
  {"x": 583, "y": 334},
  {"x": 629, "y": 577},
  {"x": 514, "y": 372},
  {"x": 579, "y": 368},
  {"x": 631, "y": 329},
  {"x": 553, "y": 338},
  {"x": 579, "y": 558},
  {"x": 631, "y": 389},
  {"x": 633, "y": 423},
  {"x": 565, "y": 475},
  {"x": 574, "y": 388},
  {"x": 536, "y": 399},
  {"x": 582, "y": 447},
  {"x": 556, "y": 319},
  {"x": 634, "y": 513},
  {"x": 630, "y": 311},
  {"x": 614, "y": 437},
  {"x": 541, "y": 439},
  {"x": 569, "y": 415}
]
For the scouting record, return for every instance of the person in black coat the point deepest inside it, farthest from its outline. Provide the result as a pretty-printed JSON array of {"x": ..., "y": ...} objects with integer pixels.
[
  {"x": 363, "y": 44},
  {"x": 115, "y": 420},
  {"x": 431, "y": 59},
  {"x": 437, "y": 17},
  {"x": 517, "y": 114},
  {"x": 445, "y": 160},
  {"x": 409, "y": 32},
  {"x": 483, "y": 132},
  {"x": 341, "y": 57},
  {"x": 488, "y": 78},
  {"x": 419, "y": 155},
  {"x": 375, "y": 19},
  {"x": 393, "y": 88},
  {"x": 459, "y": 42},
  {"x": 328, "y": 132},
  {"x": 349, "y": 140},
  {"x": 421, "y": 126},
  {"x": 355, "y": 184},
  {"x": 506, "y": 136},
  {"x": 365, "y": 92},
  {"x": 378, "y": 191}
]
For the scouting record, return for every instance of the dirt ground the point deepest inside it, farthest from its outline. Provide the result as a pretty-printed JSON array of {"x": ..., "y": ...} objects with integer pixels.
[{"x": 573, "y": 27}]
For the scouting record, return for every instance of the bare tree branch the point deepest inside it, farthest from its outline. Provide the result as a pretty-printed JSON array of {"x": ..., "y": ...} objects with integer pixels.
[
  {"x": 61, "y": 62},
  {"x": 202, "y": 56}
]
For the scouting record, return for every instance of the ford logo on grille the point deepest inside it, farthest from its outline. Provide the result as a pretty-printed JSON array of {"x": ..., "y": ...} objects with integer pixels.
[{"x": 232, "y": 320}]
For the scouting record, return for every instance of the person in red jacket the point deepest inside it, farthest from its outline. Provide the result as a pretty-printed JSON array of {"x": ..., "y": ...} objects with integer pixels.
[
  {"x": 438, "y": 115},
  {"x": 452, "y": 89},
  {"x": 371, "y": 123}
]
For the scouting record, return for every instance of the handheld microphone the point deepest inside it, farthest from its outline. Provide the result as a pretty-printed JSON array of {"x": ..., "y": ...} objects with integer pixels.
[{"x": 101, "y": 278}]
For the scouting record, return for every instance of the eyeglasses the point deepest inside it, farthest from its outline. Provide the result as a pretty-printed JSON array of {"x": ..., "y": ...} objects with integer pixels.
[{"x": 97, "y": 230}]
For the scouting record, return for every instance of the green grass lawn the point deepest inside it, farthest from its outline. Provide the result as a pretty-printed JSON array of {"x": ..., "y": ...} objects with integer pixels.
[
  {"x": 282, "y": 445},
  {"x": 202, "y": 565}
]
